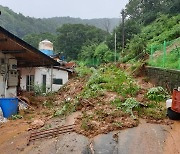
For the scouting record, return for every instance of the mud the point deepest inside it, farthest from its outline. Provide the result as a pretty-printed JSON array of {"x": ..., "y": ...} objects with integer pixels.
[{"x": 172, "y": 144}]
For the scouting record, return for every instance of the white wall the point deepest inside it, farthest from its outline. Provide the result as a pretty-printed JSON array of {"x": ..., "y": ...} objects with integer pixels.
[
  {"x": 24, "y": 72},
  {"x": 38, "y": 72},
  {"x": 4, "y": 90}
]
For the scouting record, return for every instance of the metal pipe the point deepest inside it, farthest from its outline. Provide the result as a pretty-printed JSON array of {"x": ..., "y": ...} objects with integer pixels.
[{"x": 51, "y": 77}]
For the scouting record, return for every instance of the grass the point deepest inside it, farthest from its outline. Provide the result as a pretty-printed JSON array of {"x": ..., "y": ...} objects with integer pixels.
[
  {"x": 85, "y": 124},
  {"x": 109, "y": 78},
  {"x": 172, "y": 60},
  {"x": 65, "y": 109}
]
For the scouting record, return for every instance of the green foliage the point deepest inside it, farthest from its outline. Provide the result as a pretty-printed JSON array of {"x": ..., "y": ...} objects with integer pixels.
[
  {"x": 83, "y": 70},
  {"x": 136, "y": 66},
  {"x": 34, "y": 39},
  {"x": 17, "y": 116},
  {"x": 129, "y": 105},
  {"x": 131, "y": 27},
  {"x": 87, "y": 52},
  {"x": 94, "y": 55},
  {"x": 117, "y": 102},
  {"x": 172, "y": 59},
  {"x": 85, "y": 124},
  {"x": 154, "y": 111},
  {"x": 140, "y": 13},
  {"x": 148, "y": 10},
  {"x": 71, "y": 38},
  {"x": 163, "y": 28},
  {"x": 109, "y": 78},
  {"x": 103, "y": 53},
  {"x": 67, "y": 108},
  {"x": 39, "y": 90},
  {"x": 157, "y": 94}
]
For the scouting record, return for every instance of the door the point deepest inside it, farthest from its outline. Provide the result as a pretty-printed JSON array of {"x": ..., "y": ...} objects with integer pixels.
[
  {"x": 44, "y": 83},
  {"x": 30, "y": 82}
]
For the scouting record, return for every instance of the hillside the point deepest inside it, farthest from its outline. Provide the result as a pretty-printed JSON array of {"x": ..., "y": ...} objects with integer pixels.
[
  {"x": 22, "y": 25},
  {"x": 164, "y": 28}
]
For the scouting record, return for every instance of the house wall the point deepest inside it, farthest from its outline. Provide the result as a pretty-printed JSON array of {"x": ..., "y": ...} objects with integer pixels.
[
  {"x": 6, "y": 91},
  {"x": 24, "y": 72},
  {"x": 58, "y": 74},
  {"x": 38, "y": 72}
]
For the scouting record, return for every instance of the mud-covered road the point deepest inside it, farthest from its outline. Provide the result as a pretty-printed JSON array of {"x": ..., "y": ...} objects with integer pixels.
[{"x": 145, "y": 139}]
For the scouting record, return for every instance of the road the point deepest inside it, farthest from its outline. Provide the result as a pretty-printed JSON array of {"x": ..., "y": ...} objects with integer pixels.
[{"x": 145, "y": 139}]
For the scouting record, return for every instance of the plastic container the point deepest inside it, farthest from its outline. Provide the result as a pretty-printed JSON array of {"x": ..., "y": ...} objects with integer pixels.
[
  {"x": 9, "y": 106},
  {"x": 168, "y": 103}
]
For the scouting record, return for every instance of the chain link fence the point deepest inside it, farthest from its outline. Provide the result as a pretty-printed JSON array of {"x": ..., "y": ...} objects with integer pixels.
[{"x": 166, "y": 55}]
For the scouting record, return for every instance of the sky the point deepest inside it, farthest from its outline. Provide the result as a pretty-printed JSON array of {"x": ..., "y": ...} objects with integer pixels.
[{"x": 85, "y": 9}]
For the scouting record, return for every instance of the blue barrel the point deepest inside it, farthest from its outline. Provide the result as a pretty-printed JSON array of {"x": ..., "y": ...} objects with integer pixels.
[{"x": 9, "y": 106}]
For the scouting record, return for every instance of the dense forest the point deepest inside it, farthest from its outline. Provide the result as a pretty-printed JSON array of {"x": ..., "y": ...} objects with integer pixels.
[{"x": 21, "y": 25}]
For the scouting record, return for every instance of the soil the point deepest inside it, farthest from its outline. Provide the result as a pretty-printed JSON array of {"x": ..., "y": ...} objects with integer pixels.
[
  {"x": 173, "y": 139},
  {"x": 13, "y": 135}
]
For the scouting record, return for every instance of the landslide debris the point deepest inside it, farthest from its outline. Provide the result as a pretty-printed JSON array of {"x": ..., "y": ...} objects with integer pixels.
[{"x": 109, "y": 98}]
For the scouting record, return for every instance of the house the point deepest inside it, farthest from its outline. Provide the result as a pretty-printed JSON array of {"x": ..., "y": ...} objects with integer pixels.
[
  {"x": 42, "y": 77},
  {"x": 15, "y": 55},
  {"x": 46, "y": 78}
]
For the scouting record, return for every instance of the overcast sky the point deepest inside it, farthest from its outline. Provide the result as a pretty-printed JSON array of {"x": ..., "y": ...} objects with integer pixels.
[{"x": 85, "y": 9}]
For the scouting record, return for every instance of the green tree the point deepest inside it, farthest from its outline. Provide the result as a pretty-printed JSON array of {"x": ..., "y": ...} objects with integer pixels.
[
  {"x": 131, "y": 28},
  {"x": 87, "y": 52},
  {"x": 146, "y": 11},
  {"x": 103, "y": 53},
  {"x": 34, "y": 39},
  {"x": 71, "y": 38}
]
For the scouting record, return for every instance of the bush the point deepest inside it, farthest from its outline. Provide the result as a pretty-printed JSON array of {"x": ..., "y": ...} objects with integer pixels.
[
  {"x": 109, "y": 78},
  {"x": 83, "y": 70},
  {"x": 157, "y": 94},
  {"x": 129, "y": 105}
]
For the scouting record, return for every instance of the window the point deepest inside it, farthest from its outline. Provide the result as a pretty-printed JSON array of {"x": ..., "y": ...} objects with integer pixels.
[
  {"x": 29, "y": 82},
  {"x": 58, "y": 81}
]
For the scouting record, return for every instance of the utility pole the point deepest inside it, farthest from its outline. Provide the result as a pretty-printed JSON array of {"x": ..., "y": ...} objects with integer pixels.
[
  {"x": 123, "y": 37},
  {"x": 115, "y": 47}
]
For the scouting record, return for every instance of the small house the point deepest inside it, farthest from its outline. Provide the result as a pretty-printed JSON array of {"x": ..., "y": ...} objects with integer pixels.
[
  {"x": 15, "y": 55},
  {"x": 46, "y": 78}
]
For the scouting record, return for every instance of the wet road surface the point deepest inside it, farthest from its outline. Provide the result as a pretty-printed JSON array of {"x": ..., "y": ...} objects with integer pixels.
[{"x": 145, "y": 139}]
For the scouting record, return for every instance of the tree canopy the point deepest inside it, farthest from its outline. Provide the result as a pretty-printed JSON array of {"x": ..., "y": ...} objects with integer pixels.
[{"x": 71, "y": 38}]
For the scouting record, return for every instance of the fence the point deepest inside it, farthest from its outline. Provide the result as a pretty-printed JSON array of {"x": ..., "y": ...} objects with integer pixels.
[{"x": 166, "y": 55}]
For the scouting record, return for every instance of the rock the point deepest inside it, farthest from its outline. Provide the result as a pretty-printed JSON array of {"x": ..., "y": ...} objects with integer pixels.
[{"x": 37, "y": 124}]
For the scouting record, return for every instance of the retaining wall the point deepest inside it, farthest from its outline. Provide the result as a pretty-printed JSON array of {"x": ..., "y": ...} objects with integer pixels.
[{"x": 167, "y": 78}]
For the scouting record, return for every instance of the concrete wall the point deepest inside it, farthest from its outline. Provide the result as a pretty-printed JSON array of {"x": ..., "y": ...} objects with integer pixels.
[
  {"x": 38, "y": 73},
  {"x": 6, "y": 91},
  {"x": 166, "y": 78}
]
